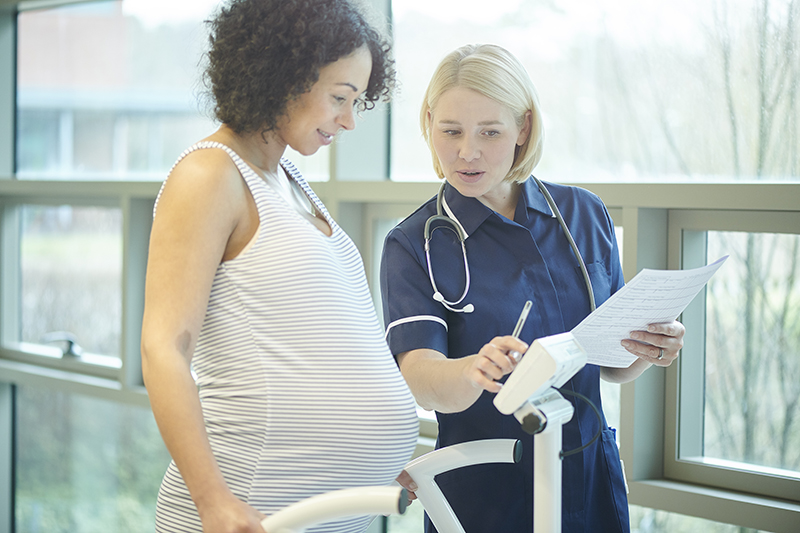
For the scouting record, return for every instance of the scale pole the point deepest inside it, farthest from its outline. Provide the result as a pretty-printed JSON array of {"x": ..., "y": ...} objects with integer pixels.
[
  {"x": 547, "y": 480},
  {"x": 545, "y": 418}
]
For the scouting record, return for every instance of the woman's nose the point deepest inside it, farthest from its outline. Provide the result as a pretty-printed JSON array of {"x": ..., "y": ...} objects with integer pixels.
[
  {"x": 347, "y": 119},
  {"x": 468, "y": 150}
]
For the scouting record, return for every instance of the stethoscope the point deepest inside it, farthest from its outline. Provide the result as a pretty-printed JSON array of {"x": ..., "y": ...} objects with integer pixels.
[{"x": 456, "y": 228}]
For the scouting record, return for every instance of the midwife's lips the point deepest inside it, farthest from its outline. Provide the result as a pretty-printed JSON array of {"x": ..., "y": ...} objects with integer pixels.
[{"x": 470, "y": 176}]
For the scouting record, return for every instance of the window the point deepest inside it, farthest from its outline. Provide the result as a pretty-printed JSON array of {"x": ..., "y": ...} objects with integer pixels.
[
  {"x": 85, "y": 464},
  {"x": 753, "y": 354},
  {"x": 739, "y": 392},
  {"x": 630, "y": 91},
  {"x": 71, "y": 270},
  {"x": 112, "y": 90},
  {"x": 73, "y": 258}
]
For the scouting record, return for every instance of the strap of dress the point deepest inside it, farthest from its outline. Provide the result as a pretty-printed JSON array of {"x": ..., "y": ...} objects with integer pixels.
[{"x": 290, "y": 190}]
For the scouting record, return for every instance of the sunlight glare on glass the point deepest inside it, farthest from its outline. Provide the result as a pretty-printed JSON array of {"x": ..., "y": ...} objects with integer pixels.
[
  {"x": 154, "y": 13},
  {"x": 452, "y": 10},
  {"x": 634, "y": 22},
  {"x": 629, "y": 22}
]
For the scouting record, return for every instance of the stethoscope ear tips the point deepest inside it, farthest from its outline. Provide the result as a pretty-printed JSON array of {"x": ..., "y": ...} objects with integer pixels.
[
  {"x": 438, "y": 296},
  {"x": 468, "y": 308}
]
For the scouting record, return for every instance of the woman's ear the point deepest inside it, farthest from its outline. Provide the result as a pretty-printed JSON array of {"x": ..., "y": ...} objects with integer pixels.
[
  {"x": 526, "y": 129},
  {"x": 427, "y": 127}
]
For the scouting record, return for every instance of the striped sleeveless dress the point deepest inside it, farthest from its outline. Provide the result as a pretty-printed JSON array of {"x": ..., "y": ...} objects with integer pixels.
[{"x": 300, "y": 393}]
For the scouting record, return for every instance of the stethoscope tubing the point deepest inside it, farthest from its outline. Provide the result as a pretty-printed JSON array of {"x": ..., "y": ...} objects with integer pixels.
[
  {"x": 456, "y": 228},
  {"x": 571, "y": 241},
  {"x": 459, "y": 231}
]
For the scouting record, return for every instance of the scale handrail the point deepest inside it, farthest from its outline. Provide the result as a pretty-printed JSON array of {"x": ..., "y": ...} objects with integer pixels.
[
  {"x": 394, "y": 500},
  {"x": 425, "y": 468},
  {"x": 337, "y": 504}
]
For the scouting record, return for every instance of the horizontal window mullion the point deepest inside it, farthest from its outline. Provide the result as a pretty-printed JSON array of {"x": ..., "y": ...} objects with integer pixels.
[
  {"x": 30, "y": 5},
  {"x": 77, "y": 191},
  {"x": 47, "y": 357}
]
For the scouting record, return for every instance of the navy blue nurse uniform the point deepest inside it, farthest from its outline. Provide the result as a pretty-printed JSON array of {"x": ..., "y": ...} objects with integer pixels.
[{"x": 510, "y": 262}]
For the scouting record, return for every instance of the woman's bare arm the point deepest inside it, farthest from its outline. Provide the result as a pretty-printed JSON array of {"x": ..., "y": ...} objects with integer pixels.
[
  {"x": 452, "y": 385},
  {"x": 198, "y": 214}
]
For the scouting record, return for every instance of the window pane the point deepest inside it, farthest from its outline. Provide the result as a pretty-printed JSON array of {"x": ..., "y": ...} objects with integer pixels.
[
  {"x": 645, "y": 520},
  {"x": 630, "y": 90},
  {"x": 112, "y": 90},
  {"x": 37, "y": 135},
  {"x": 71, "y": 275},
  {"x": 85, "y": 464},
  {"x": 752, "y": 369}
]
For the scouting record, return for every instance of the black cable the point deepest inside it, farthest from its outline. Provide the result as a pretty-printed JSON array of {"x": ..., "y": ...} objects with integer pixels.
[{"x": 563, "y": 454}]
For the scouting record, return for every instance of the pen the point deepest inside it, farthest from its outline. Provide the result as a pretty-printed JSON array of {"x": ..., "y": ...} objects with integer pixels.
[{"x": 518, "y": 328}]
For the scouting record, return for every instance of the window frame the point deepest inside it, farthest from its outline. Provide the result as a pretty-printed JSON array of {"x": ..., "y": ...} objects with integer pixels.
[
  {"x": 686, "y": 253},
  {"x": 652, "y": 238},
  {"x": 135, "y": 200}
]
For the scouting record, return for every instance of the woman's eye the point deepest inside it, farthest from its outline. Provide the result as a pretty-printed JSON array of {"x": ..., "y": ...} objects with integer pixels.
[
  {"x": 451, "y": 133},
  {"x": 492, "y": 133},
  {"x": 339, "y": 99}
]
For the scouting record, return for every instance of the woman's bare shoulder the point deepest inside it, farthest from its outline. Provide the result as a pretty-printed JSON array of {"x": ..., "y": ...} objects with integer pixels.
[
  {"x": 206, "y": 167},
  {"x": 206, "y": 176}
]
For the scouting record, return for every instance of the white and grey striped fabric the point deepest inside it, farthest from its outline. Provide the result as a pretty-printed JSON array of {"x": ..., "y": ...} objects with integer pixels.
[{"x": 300, "y": 393}]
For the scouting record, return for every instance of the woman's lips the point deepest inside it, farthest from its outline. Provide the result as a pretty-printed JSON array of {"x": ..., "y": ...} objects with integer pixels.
[{"x": 470, "y": 176}]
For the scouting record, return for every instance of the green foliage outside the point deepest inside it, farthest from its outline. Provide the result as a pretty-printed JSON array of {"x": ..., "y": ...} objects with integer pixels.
[{"x": 85, "y": 465}]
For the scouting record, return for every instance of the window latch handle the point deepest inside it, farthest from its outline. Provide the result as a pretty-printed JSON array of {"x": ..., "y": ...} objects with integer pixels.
[{"x": 71, "y": 348}]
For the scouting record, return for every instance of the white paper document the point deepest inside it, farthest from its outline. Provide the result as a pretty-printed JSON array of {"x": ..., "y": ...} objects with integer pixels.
[{"x": 651, "y": 297}]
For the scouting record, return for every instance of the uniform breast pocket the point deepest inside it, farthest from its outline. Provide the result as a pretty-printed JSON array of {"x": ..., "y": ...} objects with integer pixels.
[{"x": 601, "y": 282}]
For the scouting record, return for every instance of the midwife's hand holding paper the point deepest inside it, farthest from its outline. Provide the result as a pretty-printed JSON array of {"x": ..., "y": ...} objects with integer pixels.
[{"x": 651, "y": 297}]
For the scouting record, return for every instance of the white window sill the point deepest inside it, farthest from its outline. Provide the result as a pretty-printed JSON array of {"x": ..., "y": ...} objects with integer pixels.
[{"x": 719, "y": 505}]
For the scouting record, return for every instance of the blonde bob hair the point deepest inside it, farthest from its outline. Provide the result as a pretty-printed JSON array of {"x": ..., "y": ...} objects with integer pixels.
[{"x": 495, "y": 73}]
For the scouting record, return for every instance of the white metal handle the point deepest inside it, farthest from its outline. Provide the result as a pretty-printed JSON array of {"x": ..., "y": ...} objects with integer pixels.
[
  {"x": 337, "y": 504},
  {"x": 423, "y": 469}
]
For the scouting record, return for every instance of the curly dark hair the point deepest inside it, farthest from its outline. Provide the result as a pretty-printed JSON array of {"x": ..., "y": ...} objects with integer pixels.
[{"x": 264, "y": 53}]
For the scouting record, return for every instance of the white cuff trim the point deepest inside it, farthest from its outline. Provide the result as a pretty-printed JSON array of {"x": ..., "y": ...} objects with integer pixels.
[{"x": 417, "y": 318}]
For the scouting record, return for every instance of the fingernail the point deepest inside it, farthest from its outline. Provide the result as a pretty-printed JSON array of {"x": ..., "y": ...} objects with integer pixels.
[
  {"x": 636, "y": 335},
  {"x": 627, "y": 344},
  {"x": 652, "y": 329},
  {"x": 412, "y": 487}
]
